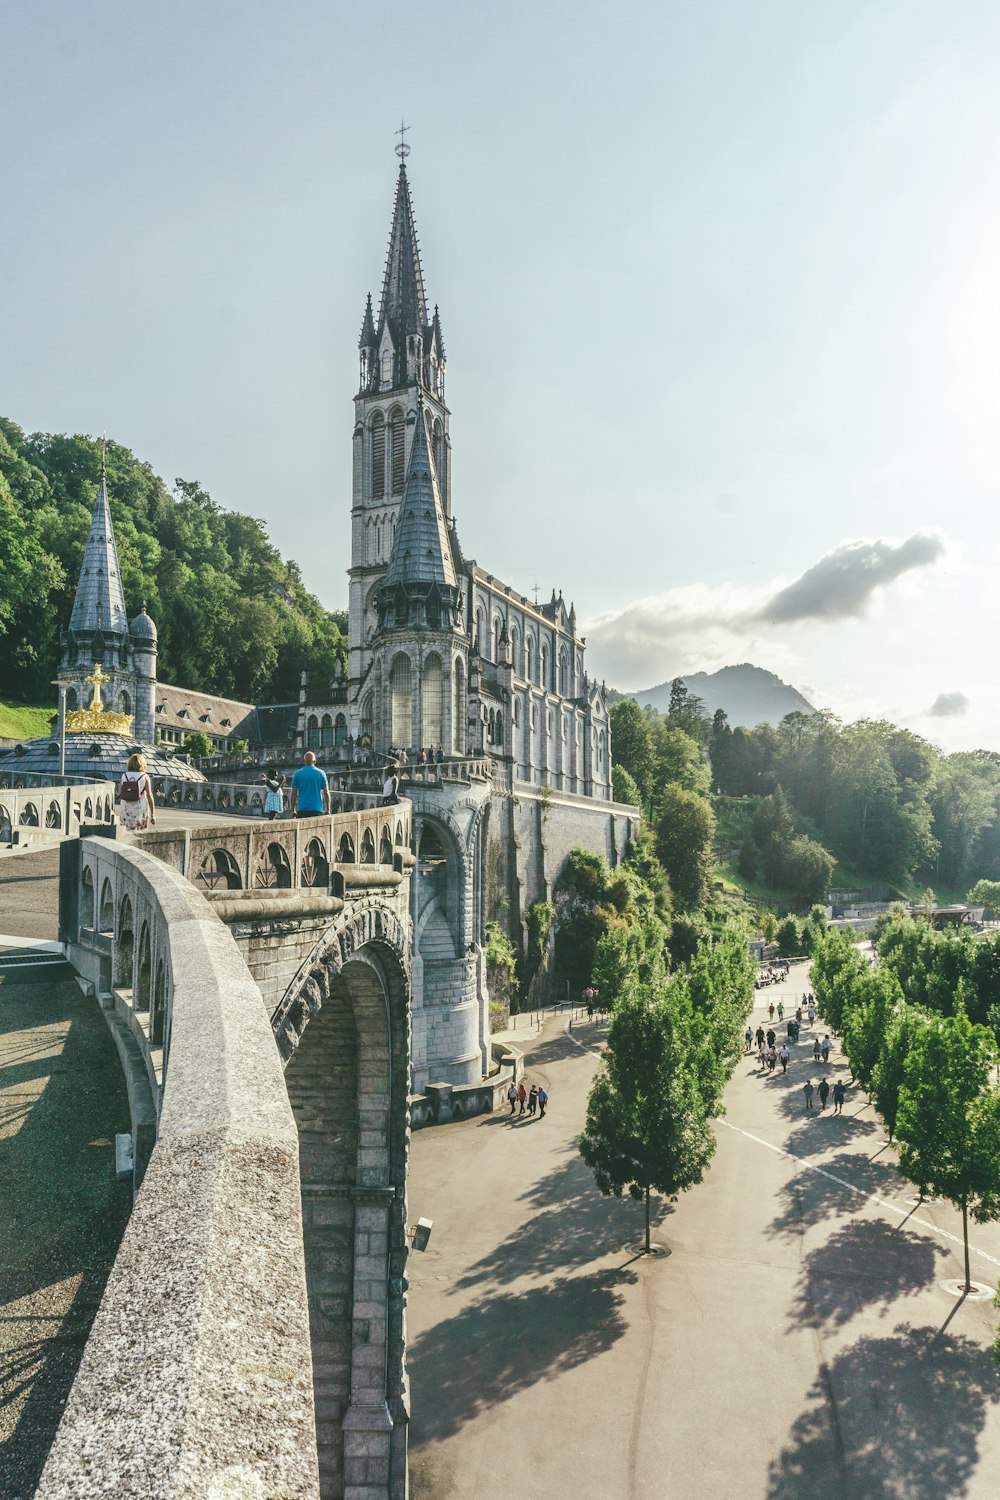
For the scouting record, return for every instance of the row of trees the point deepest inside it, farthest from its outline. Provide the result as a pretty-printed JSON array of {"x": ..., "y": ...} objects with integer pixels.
[
  {"x": 233, "y": 617},
  {"x": 928, "y": 1069},
  {"x": 673, "y": 1042}
]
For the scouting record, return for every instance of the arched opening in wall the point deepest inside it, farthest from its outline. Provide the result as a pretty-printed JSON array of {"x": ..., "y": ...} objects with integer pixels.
[
  {"x": 29, "y": 816},
  {"x": 515, "y": 650},
  {"x": 106, "y": 917},
  {"x": 88, "y": 809},
  {"x": 481, "y": 630},
  {"x": 563, "y": 673},
  {"x": 397, "y": 429},
  {"x": 72, "y": 700},
  {"x": 124, "y": 702},
  {"x": 346, "y": 1084},
  {"x": 326, "y": 730},
  {"x": 312, "y": 732},
  {"x": 529, "y": 658},
  {"x": 458, "y": 706},
  {"x": 385, "y": 846},
  {"x": 543, "y": 657},
  {"x": 340, "y": 730},
  {"x": 144, "y": 973},
  {"x": 87, "y": 898},
  {"x": 367, "y": 847},
  {"x": 497, "y": 633},
  {"x": 437, "y": 899},
  {"x": 401, "y": 691},
  {"x": 345, "y": 850},
  {"x": 53, "y": 815},
  {"x": 433, "y": 702},
  {"x": 498, "y": 729},
  {"x": 399, "y": 836},
  {"x": 377, "y": 439},
  {"x": 365, "y": 724},
  {"x": 124, "y": 959},
  {"x": 273, "y": 871},
  {"x": 219, "y": 871},
  {"x": 158, "y": 1011},
  {"x": 316, "y": 866},
  {"x": 6, "y": 827}
]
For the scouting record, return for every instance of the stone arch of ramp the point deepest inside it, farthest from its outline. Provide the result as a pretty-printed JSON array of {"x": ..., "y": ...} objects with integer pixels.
[{"x": 343, "y": 1030}]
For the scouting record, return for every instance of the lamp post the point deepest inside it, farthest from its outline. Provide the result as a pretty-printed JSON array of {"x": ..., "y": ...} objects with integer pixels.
[{"x": 62, "y": 686}]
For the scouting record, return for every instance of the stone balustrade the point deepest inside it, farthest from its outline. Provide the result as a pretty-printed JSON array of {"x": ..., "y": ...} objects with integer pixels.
[
  {"x": 337, "y": 762},
  {"x": 39, "y": 806},
  {"x": 197, "y": 1377},
  {"x": 247, "y": 797}
]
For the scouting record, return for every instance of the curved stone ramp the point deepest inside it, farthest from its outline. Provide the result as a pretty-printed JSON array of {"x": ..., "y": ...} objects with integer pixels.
[{"x": 196, "y": 1379}]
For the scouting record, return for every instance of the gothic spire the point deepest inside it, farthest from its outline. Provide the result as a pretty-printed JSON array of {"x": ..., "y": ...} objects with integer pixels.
[
  {"x": 403, "y": 303},
  {"x": 421, "y": 552},
  {"x": 367, "y": 339},
  {"x": 100, "y": 602}
]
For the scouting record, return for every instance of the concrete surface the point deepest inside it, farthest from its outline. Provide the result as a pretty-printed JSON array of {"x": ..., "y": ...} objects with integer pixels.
[
  {"x": 62, "y": 1209},
  {"x": 791, "y": 1340}
]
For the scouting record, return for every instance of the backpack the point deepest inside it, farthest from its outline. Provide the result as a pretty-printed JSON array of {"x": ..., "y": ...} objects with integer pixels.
[{"x": 129, "y": 789}]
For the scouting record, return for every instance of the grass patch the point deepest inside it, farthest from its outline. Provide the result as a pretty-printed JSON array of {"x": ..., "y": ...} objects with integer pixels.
[
  {"x": 24, "y": 721},
  {"x": 755, "y": 891}
]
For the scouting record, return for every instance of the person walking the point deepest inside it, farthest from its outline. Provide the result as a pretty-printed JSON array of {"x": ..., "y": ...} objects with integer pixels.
[
  {"x": 770, "y": 1037},
  {"x": 274, "y": 802},
  {"x": 772, "y": 1058},
  {"x": 310, "y": 789},
  {"x": 522, "y": 1098},
  {"x": 760, "y": 1035},
  {"x": 136, "y": 808},
  {"x": 784, "y": 1055},
  {"x": 808, "y": 1091},
  {"x": 812, "y": 1012},
  {"x": 816, "y": 1050},
  {"x": 543, "y": 1099},
  {"x": 826, "y": 1048},
  {"x": 770, "y": 1011},
  {"x": 824, "y": 1093},
  {"x": 762, "y": 1056},
  {"x": 839, "y": 1093},
  {"x": 781, "y": 1010},
  {"x": 512, "y": 1097},
  {"x": 748, "y": 1039},
  {"x": 533, "y": 1099}
]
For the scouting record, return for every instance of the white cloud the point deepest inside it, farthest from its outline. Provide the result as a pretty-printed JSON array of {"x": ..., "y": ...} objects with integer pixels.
[{"x": 949, "y": 706}]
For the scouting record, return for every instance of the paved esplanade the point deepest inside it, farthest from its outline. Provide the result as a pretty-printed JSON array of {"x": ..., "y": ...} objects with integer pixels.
[{"x": 794, "y": 1343}]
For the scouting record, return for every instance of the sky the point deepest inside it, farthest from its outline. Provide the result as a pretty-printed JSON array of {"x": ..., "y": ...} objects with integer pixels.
[{"x": 719, "y": 284}]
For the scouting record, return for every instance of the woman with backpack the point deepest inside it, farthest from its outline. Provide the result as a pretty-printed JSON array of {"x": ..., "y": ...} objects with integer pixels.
[{"x": 136, "y": 808}]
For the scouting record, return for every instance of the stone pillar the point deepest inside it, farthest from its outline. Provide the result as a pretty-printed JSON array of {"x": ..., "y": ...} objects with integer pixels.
[{"x": 368, "y": 1425}]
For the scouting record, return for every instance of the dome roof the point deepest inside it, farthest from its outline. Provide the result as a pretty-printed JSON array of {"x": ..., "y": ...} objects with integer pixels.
[
  {"x": 102, "y": 755},
  {"x": 142, "y": 627}
]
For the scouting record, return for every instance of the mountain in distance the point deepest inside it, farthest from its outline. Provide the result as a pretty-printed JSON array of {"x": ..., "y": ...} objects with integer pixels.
[{"x": 750, "y": 695}]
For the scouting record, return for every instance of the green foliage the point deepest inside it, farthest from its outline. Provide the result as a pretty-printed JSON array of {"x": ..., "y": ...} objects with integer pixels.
[
  {"x": 233, "y": 618},
  {"x": 874, "y": 999},
  {"x": 197, "y": 744},
  {"x": 239, "y": 747},
  {"x": 624, "y": 786},
  {"x": 948, "y": 1119},
  {"x": 632, "y": 745},
  {"x": 836, "y": 969},
  {"x": 684, "y": 836},
  {"x": 647, "y": 1124},
  {"x": 789, "y": 938},
  {"x": 768, "y": 926},
  {"x": 986, "y": 893},
  {"x": 889, "y": 1070},
  {"x": 942, "y": 971},
  {"x": 538, "y": 920},
  {"x": 688, "y": 931},
  {"x": 501, "y": 971}
]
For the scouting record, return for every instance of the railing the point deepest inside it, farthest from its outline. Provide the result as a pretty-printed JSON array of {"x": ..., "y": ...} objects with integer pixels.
[
  {"x": 243, "y": 797},
  {"x": 290, "y": 853},
  {"x": 54, "y": 810},
  {"x": 197, "y": 1373},
  {"x": 338, "y": 761}
]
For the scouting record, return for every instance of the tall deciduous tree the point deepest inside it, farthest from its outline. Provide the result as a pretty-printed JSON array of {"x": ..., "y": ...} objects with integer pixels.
[
  {"x": 647, "y": 1125},
  {"x": 684, "y": 836},
  {"x": 948, "y": 1120},
  {"x": 632, "y": 742}
]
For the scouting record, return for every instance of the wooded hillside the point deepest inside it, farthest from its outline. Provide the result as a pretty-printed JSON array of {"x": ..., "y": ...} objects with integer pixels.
[{"x": 233, "y": 617}]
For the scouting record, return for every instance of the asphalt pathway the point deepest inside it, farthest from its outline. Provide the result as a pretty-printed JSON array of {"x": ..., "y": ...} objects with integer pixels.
[{"x": 791, "y": 1338}]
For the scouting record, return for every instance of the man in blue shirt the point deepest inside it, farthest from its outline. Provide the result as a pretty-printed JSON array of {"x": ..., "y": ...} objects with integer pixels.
[{"x": 310, "y": 789}]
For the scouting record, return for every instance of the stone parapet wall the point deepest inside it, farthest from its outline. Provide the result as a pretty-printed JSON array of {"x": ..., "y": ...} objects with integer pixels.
[
  {"x": 441, "y": 1103},
  {"x": 197, "y": 1378},
  {"x": 33, "y": 805}
]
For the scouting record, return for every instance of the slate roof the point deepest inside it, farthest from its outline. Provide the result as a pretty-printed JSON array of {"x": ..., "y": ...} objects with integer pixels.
[
  {"x": 100, "y": 602},
  {"x": 403, "y": 301},
  {"x": 421, "y": 548},
  {"x": 101, "y": 755},
  {"x": 181, "y": 708}
]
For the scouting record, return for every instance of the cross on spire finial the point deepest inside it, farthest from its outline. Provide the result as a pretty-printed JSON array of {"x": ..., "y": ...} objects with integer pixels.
[{"x": 402, "y": 150}]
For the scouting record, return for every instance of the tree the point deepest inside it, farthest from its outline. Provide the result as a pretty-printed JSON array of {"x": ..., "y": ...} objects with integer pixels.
[
  {"x": 890, "y": 1069},
  {"x": 632, "y": 743},
  {"x": 197, "y": 744},
  {"x": 874, "y": 998},
  {"x": 625, "y": 787},
  {"x": 836, "y": 969},
  {"x": 684, "y": 836},
  {"x": 768, "y": 926},
  {"x": 986, "y": 893},
  {"x": 948, "y": 1120},
  {"x": 807, "y": 868},
  {"x": 647, "y": 1125},
  {"x": 789, "y": 938}
]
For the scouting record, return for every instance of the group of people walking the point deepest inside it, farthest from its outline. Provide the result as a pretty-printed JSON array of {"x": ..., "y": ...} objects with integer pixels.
[
  {"x": 524, "y": 1101},
  {"x": 769, "y": 1054}
]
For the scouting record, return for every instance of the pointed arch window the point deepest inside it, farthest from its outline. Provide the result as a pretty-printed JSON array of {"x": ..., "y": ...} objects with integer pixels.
[
  {"x": 378, "y": 455},
  {"x": 397, "y": 444}
]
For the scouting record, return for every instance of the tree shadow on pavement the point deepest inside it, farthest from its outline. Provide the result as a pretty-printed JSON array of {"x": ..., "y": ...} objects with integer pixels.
[
  {"x": 822, "y": 1129},
  {"x": 560, "y": 1222},
  {"x": 502, "y": 1344},
  {"x": 894, "y": 1418},
  {"x": 866, "y": 1263},
  {"x": 839, "y": 1187}
]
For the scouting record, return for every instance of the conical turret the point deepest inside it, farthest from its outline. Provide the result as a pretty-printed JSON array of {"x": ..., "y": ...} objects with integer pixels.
[{"x": 100, "y": 603}]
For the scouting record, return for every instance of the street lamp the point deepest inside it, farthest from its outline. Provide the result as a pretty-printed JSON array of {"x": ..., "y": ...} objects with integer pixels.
[{"x": 62, "y": 686}]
